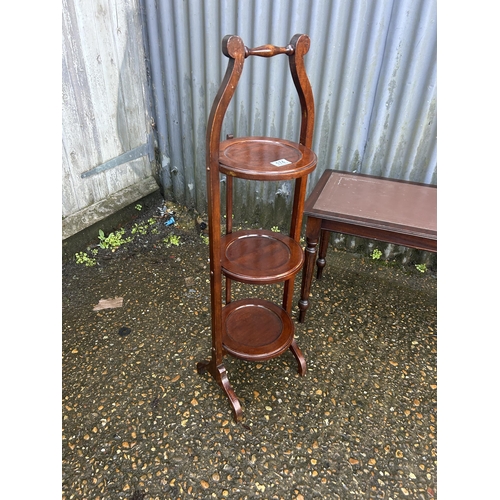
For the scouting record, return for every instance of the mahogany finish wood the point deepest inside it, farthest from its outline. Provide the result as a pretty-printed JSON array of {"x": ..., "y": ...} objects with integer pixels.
[
  {"x": 255, "y": 329},
  {"x": 260, "y": 256},
  {"x": 394, "y": 211},
  {"x": 255, "y": 157}
]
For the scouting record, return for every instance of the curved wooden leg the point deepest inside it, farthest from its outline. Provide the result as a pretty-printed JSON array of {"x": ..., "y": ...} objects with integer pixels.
[
  {"x": 302, "y": 368},
  {"x": 220, "y": 376}
]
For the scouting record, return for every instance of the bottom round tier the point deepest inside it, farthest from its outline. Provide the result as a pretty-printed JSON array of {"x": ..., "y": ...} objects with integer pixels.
[{"x": 255, "y": 329}]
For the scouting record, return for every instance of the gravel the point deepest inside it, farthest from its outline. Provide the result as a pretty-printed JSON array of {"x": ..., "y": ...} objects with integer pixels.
[{"x": 139, "y": 422}]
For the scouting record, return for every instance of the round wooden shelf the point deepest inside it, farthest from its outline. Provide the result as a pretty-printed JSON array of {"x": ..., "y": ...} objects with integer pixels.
[
  {"x": 256, "y": 330},
  {"x": 265, "y": 158},
  {"x": 260, "y": 256}
]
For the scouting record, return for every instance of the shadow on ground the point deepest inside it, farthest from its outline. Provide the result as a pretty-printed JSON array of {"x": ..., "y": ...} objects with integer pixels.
[{"x": 139, "y": 422}]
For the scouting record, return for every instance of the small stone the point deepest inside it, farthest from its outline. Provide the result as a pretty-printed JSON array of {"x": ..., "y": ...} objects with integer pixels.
[
  {"x": 260, "y": 487},
  {"x": 353, "y": 461},
  {"x": 204, "y": 484},
  {"x": 399, "y": 453}
]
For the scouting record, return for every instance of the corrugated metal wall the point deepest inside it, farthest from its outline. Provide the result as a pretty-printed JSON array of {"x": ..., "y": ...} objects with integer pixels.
[{"x": 372, "y": 66}]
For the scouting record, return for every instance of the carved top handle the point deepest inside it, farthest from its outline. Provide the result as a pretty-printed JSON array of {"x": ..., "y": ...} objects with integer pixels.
[
  {"x": 234, "y": 48},
  {"x": 269, "y": 51}
]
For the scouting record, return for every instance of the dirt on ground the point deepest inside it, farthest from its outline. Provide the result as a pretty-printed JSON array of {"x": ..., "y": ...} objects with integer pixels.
[{"x": 140, "y": 423}]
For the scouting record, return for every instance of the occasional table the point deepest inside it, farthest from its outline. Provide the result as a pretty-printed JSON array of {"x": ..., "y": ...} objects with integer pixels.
[{"x": 389, "y": 210}]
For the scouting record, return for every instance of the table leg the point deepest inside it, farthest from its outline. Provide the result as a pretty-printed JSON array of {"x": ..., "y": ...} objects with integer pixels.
[
  {"x": 323, "y": 248},
  {"x": 313, "y": 229}
]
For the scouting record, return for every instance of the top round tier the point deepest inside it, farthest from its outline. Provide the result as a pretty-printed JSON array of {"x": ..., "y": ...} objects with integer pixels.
[{"x": 265, "y": 158}]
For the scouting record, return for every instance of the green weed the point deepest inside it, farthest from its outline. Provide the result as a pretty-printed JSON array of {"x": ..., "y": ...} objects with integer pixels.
[
  {"x": 172, "y": 239},
  {"x": 143, "y": 228},
  {"x": 83, "y": 258},
  {"x": 113, "y": 240}
]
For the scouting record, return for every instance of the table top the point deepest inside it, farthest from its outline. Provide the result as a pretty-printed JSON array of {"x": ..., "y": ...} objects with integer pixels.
[{"x": 375, "y": 201}]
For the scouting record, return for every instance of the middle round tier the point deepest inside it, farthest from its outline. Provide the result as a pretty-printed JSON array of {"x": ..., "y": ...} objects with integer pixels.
[{"x": 260, "y": 256}]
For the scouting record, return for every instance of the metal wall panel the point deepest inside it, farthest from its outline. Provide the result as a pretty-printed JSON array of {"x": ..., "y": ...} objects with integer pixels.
[{"x": 372, "y": 66}]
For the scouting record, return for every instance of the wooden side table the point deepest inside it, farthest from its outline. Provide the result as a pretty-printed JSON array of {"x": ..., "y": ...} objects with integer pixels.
[
  {"x": 394, "y": 211},
  {"x": 254, "y": 329}
]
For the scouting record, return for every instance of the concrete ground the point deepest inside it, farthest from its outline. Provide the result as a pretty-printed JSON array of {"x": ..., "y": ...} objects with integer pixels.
[{"x": 139, "y": 422}]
